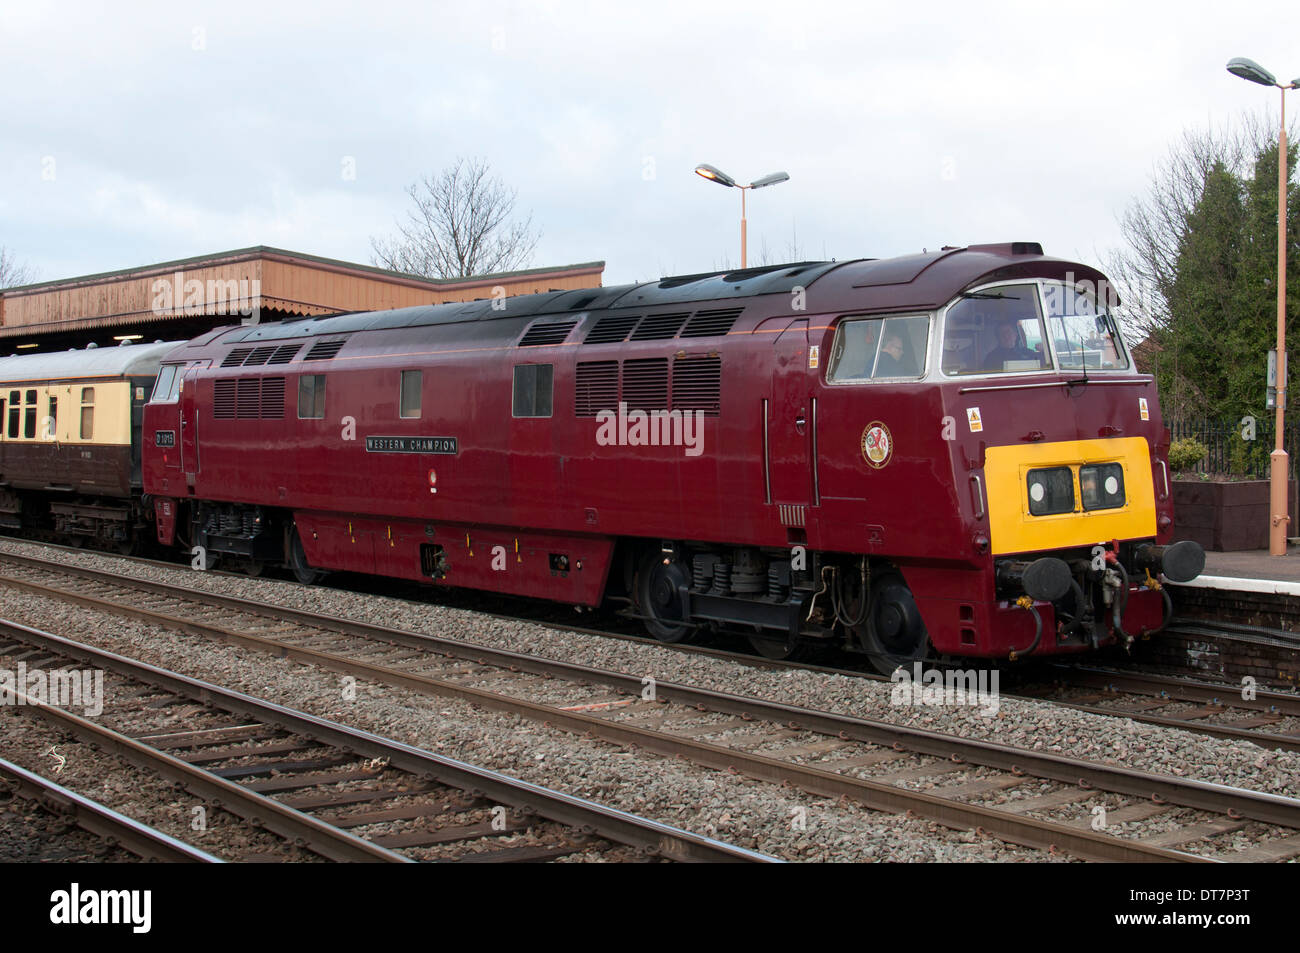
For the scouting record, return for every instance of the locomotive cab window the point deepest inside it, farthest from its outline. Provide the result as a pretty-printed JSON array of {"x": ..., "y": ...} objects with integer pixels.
[
  {"x": 892, "y": 348},
  {"x": 412, "y": 385},
  {"x": 995, "y": 331},
  {"x": 164, "y": 389},
  {"x": 1083, "y": 331},
  {"x": 311, "y": 397},
  {"x": 533, "y": 390}
]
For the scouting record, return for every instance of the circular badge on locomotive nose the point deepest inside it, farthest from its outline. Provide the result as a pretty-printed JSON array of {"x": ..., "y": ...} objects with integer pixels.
[{"x": 877, "y": 444}]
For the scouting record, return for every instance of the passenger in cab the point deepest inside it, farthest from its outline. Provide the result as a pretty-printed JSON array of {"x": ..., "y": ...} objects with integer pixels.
[{"x": 1009, "y": 349}]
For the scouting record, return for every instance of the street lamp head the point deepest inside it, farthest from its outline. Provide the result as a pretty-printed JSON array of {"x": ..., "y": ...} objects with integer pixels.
[
  {"x": 1249, "y": 69},
  {"x": 714, "y": 175},
  {"x": 772, "y": 179}
]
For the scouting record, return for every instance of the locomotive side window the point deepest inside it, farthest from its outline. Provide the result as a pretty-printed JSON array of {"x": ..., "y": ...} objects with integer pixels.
[
  {"x": 311, "y": 397},
  {"x": 1083, "y": 332},
  {"x": 533, "y": 390},
  {"x": 87, "y": 413},
  {"x": 162, "y": 388},
  {"x": 412, "y": 387},
  {"x": 995, "y": 331},
  {"x": 880, "y": 349}
]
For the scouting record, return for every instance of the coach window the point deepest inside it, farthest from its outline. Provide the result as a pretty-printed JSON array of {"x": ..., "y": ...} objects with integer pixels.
[
  {"x": 51, "y": 428},
  {"x": 29, "y": 415},
  {"x": 533, "y": 384},
  {"x": 412, "y": 385},
  {"x": 87, "y": 413},
  {"x": 995, "y": 330},
  {"x": 869, "y": 349},
  {"x": 15, "y": 413},
  {"x": 311, "y": 397}
]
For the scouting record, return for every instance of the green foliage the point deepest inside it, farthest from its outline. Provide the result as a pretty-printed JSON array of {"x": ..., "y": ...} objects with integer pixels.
[
  {"x": 1185, "y": 454},
  {"x": 1247, "y": 457},
  {"x": 1221, "y": 300}
]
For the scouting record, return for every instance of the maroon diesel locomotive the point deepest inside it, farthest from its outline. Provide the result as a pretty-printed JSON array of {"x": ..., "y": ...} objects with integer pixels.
[{"x": 947, "y": 452}]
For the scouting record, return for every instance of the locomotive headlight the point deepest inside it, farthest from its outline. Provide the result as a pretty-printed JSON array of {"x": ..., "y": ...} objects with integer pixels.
[
  {"x": 1102, "y": 486},
  {"x": 1051, "y": 490}
]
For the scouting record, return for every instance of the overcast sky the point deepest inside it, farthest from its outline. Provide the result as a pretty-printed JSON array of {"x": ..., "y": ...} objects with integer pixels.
[{"x": 135, "y": 133}]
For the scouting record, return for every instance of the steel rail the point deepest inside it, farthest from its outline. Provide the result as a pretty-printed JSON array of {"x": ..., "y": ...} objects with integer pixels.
[
  {"x": 876, "y": 795},
  {"x": 641, "y": 833},
  {"x": 99, "y": 819}
]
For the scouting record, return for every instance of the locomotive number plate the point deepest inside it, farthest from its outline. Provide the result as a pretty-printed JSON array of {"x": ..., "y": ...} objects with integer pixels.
[{"x": 164, "y": 438}]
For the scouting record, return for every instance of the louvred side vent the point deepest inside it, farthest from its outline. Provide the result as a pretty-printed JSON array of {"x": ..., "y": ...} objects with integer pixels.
[
  {"x": 596, "y": 388},
  {"x": 697, "y": 384},
  {"x": 272, "y": 398},
  {"x": 645, "y": 384},
  {"x": 223, "y": 399}
]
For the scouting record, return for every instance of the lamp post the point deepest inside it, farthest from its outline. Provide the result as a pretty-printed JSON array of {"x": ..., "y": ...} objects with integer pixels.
[
  {"x": 717, "y": 175},
  {"x": 1278, "y": 519}
]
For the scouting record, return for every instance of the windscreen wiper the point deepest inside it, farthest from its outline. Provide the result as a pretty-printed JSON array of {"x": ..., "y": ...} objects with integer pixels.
[{"x": 988, "y": 294}]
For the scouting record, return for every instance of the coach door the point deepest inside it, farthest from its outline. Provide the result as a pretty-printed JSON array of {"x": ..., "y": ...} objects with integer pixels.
[{"x": 790, "y": 428}]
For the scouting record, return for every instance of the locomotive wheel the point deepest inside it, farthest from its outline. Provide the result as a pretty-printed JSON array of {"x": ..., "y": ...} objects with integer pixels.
[
  {"x": 298, "y": 564},
  {"x": 894, "y": 632},
  {"x": 658, "y": 599}
]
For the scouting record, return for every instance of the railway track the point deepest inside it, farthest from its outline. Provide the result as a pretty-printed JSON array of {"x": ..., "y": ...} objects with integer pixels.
[
  {"x": 969, "y": 784},
  {"x": 114, "y": 828},
  {"x": 314, "y": 782},
  {"x": 1270, "y": 719}
]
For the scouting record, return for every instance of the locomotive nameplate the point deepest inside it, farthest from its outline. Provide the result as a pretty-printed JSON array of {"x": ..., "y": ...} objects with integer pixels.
[
  {"x": 164, "y": 438},
  {"x": 445, "y": 445}
]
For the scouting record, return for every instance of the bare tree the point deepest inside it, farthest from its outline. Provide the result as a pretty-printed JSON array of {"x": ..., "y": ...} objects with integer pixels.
[
  {"x": 12, "y": 273},
  {"x": 1155, "y": 225},
  {"x": 461, "y": 225}
]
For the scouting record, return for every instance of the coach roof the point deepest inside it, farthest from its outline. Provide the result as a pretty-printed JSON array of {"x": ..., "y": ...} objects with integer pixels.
[{"x": 138, "y": 360}]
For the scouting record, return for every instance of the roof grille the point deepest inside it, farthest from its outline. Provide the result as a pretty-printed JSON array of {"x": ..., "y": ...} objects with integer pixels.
[
  {"x": 236, "y": 357},
  {"x": 645, "y": 384},
  {"x": 612, "y": 328},
  {"x": 658, "y": 327},
  {"x": 707, "y": 324},
  {"x": 697, "y": 384},
  {"x": 324, "y": 350},
  {"x": 552, "y": 333},
  {"x": 259, "y": 356},
  {"x": 284, "y": 353},
  {"x": 596, "y": 388}
]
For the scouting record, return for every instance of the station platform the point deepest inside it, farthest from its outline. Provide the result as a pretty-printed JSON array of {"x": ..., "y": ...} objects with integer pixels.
[{"x": 1251, "y": 571}]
